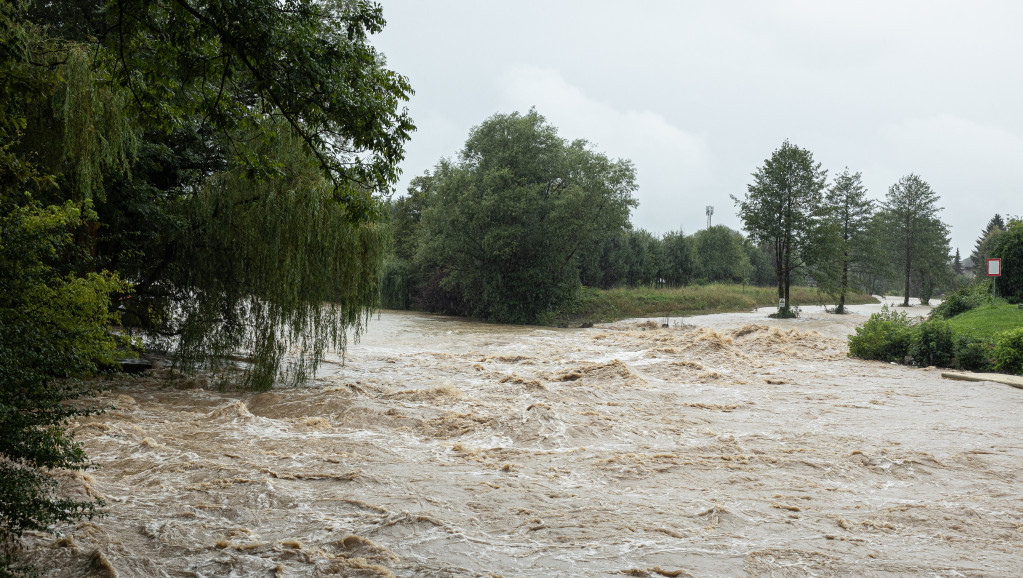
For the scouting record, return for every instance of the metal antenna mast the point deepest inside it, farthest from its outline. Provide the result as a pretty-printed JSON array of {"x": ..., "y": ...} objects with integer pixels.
[{"x": 710, "y": 213}]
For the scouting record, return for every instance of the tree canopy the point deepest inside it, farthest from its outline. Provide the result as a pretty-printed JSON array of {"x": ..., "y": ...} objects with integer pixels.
[
  {"x": 849, "y": 211},
  {"x": 206, "y": 172},
  {"x": 506, "y": 221},
  {"x": 1009, "y": 248},
  {"x": 721, "y": 255},
  {"x": 781, "y": 208},
  {"x": 915, "y": 234}
]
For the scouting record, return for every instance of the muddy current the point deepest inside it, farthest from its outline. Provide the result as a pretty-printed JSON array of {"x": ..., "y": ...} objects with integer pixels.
[{"x": 725, "y": 445}]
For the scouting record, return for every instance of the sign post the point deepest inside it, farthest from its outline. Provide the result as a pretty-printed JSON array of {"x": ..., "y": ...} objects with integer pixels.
[{"x": 994, "y": 270}]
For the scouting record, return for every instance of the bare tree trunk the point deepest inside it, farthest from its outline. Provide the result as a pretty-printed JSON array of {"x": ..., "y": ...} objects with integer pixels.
[
  {"x": 845, "y": 284},
  {"x": 909, "y": 254}
]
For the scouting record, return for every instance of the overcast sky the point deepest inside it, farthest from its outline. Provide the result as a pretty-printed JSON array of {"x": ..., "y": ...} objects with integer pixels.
[{"x": 698, "y": 94}]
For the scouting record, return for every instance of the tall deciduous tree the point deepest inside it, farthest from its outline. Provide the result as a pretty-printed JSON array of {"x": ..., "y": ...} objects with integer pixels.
[
  {"x": 681, "y": 265},
  {"x": 645, "y": 258},
  {"x": 780, "y": 210},
  {"x": 917, "y": 237},
  {"x": 721, "y": 255},
  {"x": 509, "y": 217},
  {"x": 850, "y": 211}
]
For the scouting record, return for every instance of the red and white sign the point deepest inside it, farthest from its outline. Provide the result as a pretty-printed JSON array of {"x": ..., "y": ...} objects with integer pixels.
[{"x": 994, "y": 267}]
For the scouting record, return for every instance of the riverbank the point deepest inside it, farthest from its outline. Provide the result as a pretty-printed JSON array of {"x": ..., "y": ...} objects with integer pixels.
[{"x": 605, "y": 306}]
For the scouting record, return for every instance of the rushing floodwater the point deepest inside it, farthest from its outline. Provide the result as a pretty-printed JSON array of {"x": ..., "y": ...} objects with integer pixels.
[{"x": 726, "y": 445}]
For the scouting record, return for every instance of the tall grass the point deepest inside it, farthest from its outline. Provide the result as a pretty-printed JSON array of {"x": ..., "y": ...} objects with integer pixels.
[{"x": 598, "y": 306}]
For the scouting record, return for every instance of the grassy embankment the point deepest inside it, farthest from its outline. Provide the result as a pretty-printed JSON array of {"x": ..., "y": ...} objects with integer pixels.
[
  {"x": 600, "y": 306},
  {"x": 987, "y": 320}
]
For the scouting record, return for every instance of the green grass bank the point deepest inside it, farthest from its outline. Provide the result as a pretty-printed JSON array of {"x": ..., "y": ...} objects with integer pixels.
[
  {"x": 602, "y": 306},
  {"x": 988, "y": 320}
]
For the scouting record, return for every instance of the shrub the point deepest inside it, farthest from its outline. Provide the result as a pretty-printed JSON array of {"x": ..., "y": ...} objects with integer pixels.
[
  {"x": 962, "y": 300},
  {"x": 933, "y": 343},
  {"x": 886, "y": 336},
  {"x": 972, "y": 353},
  {"x": 790, "y": 312},
  {"x": 1008, "y": 352}
]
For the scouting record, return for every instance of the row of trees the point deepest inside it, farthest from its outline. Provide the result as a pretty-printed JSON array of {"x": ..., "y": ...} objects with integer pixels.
[
  {"x": 203, "y": 171},
  {"x": 837, "y": 237},
  {"x": 522, "y": 218},
  {"x": 510, "y": 229},
  {"x": 636, "y": 257}
]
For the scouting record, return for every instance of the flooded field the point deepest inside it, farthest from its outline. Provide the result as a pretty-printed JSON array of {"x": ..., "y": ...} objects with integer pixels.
[{"x": 725, "y": 445}]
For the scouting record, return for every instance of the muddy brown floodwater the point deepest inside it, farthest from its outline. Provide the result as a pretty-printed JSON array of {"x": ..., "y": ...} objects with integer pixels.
[{"x": 726, "y": 445}]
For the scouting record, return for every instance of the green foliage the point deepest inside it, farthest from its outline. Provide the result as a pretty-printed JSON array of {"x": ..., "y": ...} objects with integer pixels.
[
  {"x": 982, "y": 248},
  {"x": 848, "y": 211},
  {"x": 762, "y": 272},
  {"x": 790, "y": 311},
  {"x": 973, "y": 353},
  {"x": 397, "y": 284},
  {"x": 987, "y": 321},
  {"x": 721, "y": 255},
  {"x": 265, "y": 265},
  {"x": 1009, "y": 248},
  {"x": 962, "y": 300},
  {"x": 934, "y": 343},
  {"x": 886, "y": 336},
  {"x": 681, "y": 264},
  {"x": 1008, "y": 351},
  {"x": 231, "y": 152},
  {"x": 781, "y": 209},
  {"x": 967, "y": 341},
  {"x": 644, "y": 257},
  {"x": 917, "y": 238},
  {"x": 232, "y": 66},
  {"x": 54, "y": 329},
  {"x": 505, "y": 223},
  {"x": 605, "y": 262}
]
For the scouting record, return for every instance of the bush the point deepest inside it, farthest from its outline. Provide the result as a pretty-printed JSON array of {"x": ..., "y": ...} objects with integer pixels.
[
  {"x": 886, "y": 336},
  {"x": 972, "y": 353},
  {"x": 933, "y": 343},
  {"x": 1008, "y": 352},
  {"x": 790, "y": 312},
  {"x": 54, "y": 328},
  {"x": 963, "y": 300}
]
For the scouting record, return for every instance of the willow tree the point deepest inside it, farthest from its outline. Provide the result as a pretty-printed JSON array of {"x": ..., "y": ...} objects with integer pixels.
[
  {"x": 781, "y": 210},
  {"x": 223, "y": 158},
  {"x": 247, "y": 220},
  {"x": 261, "y": 266}
]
